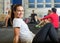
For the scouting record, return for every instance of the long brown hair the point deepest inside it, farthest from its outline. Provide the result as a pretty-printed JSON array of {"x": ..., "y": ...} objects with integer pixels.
[{"x": 14, "y": 7}]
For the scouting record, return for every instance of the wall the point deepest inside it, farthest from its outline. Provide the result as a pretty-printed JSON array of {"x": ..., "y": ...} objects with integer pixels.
[
  {"x": 1, "y": 6},
  {"x": 7, "y": 6},
  {"x": 40, "y": 11}
]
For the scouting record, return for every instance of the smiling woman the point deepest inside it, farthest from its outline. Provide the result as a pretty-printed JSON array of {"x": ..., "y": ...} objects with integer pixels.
[{"x": 20, "y": 27}]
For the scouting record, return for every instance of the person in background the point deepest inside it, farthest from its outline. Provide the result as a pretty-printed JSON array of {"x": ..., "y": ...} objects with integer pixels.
[
  {"x": 7, "y": 19},
  {"x": 33, "y": 17},
  {"x": 49, "y": 29},
  {"x": 42, "y": 22},
  {"x": 54, "y": 18},
  {"x": 21, "y": 30},
  {"x": 49, "y": 11}
]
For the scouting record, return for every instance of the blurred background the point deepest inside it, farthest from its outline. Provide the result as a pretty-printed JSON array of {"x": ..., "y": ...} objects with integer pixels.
[{"x": 40, "y": 7}]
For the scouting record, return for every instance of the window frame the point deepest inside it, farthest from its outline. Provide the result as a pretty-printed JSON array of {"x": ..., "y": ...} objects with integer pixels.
[{"x": 44, "y": 4}]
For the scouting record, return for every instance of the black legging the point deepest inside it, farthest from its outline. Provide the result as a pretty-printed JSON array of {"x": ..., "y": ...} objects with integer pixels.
[{"x": 46, "y": 30}]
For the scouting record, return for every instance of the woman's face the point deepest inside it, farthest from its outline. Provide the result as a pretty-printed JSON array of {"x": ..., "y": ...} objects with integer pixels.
[{"x": 19, "y": 12}]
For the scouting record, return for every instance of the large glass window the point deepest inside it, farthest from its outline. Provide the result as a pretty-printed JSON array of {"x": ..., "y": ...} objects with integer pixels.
[
  {"x": 31, "y": 1},
  {"x": 11, "y": 1},
  {"x": 48, "y": 1},
  {"x": 57, "y": 5},
  {"x": 31, "y": 5},
  {"x": 48, "y": 5},
  {"x": 39, "y": 5},
  {"x": 40, "y": 1},
  {"x": 57, "y": 1}
]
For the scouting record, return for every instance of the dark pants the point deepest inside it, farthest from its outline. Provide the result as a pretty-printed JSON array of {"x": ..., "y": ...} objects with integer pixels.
[
  {"x": 56, "y": 29},
  {"x": 33, "y": 20},
  {"x": 46, "y": 30}
]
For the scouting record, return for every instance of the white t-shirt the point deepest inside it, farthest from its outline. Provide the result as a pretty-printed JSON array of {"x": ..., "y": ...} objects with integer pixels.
[{"x": 25, "y": 33}]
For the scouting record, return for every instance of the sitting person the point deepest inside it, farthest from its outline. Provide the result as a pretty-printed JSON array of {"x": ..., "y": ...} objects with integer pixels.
[
  {"x": 49, "y": 11},
  {"x": 49, "y": 29},
  {"x": 33, "y": 17},
  {"x": 7, "y": 19},
  {"x": 21, "y": 29}
]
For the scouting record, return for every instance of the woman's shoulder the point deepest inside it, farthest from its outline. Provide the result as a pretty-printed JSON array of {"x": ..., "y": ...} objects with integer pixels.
[{"x": 17, "y": 19}]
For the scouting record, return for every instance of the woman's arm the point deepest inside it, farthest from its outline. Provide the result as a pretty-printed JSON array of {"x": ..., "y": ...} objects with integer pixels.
[
  {"x": 16, "y": 34},
  {"x": 6, "y": 21},
  {"x": 38, "y": 18}
]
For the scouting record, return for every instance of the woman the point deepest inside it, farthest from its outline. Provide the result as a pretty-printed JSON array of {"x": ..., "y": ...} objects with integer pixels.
[
  {"x": 45, "y": 31},
  {"x": 54, "y": 18},
  {"x": 49, "y": 11},
  {"x": 21, "y": 29}
]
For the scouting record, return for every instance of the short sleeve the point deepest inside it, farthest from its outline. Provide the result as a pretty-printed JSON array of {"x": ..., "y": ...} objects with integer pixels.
[{"x": 16, "y": 23}]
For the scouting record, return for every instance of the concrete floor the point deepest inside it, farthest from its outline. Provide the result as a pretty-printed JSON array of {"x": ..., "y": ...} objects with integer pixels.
[{"x": 6, "y": 34}]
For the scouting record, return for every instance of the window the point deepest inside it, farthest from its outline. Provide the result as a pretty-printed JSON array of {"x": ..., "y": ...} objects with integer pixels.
[
  {"x": 39, "y": 5},
  {"x": 31, "y": 5},
  {"x": 48, "y": 5},
  {"x": 40, "y": 1},
  {"x": 31, "y": 1},
  {"x": 57, "y": 1},
  {"x": 48, "y": 1},
  {"x": 57, "y": 5}
]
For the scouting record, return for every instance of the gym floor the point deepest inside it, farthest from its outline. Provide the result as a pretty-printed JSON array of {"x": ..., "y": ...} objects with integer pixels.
[{"x": 6, "y": 34}]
